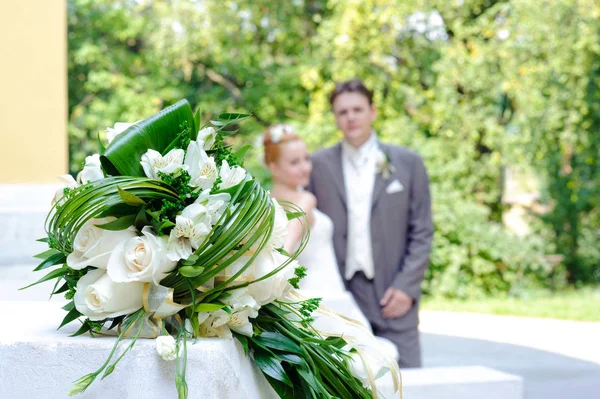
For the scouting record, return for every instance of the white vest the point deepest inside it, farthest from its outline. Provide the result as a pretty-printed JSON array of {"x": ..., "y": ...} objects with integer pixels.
[{"x": 359, "y": 165}]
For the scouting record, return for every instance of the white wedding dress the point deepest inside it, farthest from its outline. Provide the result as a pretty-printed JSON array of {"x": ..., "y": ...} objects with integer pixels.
[{"x": 323, "y": 279}]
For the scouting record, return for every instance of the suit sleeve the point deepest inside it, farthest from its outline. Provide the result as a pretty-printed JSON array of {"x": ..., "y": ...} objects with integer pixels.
[{"x": 420, "y": 235}]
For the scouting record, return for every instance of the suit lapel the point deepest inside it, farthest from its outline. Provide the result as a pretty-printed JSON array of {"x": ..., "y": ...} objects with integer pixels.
[
  {"x": 335, "y": 166},
  {"x": 379, "y": 182}
]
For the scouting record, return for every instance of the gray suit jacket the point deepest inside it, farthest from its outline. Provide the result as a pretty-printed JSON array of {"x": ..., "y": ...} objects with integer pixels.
[{"x": 401, "y": 223}]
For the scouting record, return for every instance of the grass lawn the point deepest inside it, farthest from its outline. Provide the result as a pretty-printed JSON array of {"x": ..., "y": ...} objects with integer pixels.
[{"x": 582, "y": 304}]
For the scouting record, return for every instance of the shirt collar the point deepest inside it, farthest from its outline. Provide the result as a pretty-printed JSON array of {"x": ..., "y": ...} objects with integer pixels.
[{"x": 361, "y": 151}]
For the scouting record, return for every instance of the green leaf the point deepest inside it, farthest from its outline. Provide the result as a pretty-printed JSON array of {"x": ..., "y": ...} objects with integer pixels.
[
  {"x": 44, "y": 239},
  {"x": 124, "y": 153},
  {"x": 244, "y": 341},
  {"x": 46, "y": 254},
  {"x": 208, "y": 307},
  {"x": 241, "y": 153},
  {"x": 85, "y": 327},
  {"x": 271, "y": 366},
  {"x": 72, "y": 315},
  {"x": 197, "y": 118},
  {"x": 52, "y": 260},
  {"x": 190, "y": 271},
  {"x": 69, "y": 306},
  {"x": 63, "y": 288},
  {"x": 129, "y": 198},
  {"x": 294, "y": 215},
  {"x": 101, "y": 147},
  {"x": 277, "y": 341},
  {"x": 229, "y": 119},
  {"x": 292, "y": 359},
  {"x": 52, "y": 275},
  {"x": 119, "y": 210},
  {"x": 121, "y": 223}
]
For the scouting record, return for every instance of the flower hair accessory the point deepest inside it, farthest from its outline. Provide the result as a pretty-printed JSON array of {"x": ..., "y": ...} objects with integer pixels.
[
  {"x": 277, "y": 132},
  {"x": 383, "y": 164}
]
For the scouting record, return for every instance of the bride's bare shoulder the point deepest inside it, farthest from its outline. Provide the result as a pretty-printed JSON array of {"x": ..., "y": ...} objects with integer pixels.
[{"x": 304, "y": 200}]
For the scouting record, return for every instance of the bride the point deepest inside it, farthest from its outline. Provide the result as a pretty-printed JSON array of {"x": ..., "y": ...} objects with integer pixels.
[{"x": 288, "y": 160}]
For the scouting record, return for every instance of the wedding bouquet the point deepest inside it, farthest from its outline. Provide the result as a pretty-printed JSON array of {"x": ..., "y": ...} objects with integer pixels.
[{"x": 165, "y": 235}]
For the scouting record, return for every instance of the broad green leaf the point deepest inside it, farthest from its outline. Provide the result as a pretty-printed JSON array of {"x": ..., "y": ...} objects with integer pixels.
[
  {"x": 69, "y": 306},
  {"x": 197, "y": 118},
  {"x": 72, "y": 315},
  {"x": 294, "y": 215},
  {"x": 190, "y": 271},
  {"x": 123, "y": 155},
  {"x": 241, "y": 153},
  {"x": 101, "y": 147},
  {"x": 208, "y": 307},
  {"x": 271, "y": 366},
  {"x": 277, "y": 341},
  {"x": 129, "y": 198},
  {"x": 52, "y": 260},
  {"x": 52, "y": 275},
  {"x": 244, "y": 341},
  {"x": 63, "y": 288},
  {"x": 46, "y": 254},
  {"x": 85, "y": 327},
  {"x": 292, "y": 359},
  {"x": 121, "y": 223}
]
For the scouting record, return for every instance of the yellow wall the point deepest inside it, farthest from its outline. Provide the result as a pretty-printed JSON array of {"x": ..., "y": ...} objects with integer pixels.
[{"x": 33, "y": 91}]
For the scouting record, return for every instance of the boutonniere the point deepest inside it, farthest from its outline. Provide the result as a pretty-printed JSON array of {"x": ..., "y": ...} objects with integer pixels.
[{"x": 383, "y": 164}]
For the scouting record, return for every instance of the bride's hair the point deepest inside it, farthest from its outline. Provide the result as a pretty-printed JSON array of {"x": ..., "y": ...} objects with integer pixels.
[{"x": 273, "y": 137}]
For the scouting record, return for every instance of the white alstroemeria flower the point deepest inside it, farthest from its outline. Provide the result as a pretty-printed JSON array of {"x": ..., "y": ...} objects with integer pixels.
[
  {"x": 92, "y": 245},
  {"x": 120, "y": 127},
  {"x": 276, "y": 286},
  {"x": 215, "y": 204},
  {"x": 207, "y": 135},
  {"x": 202, "y": 168},
  {"x": 153, "y": 162},
  {"x": 166, "y": 347},
  {"x": 140, "y": 259},
  {"x": 214, "y": 324},
  {"x": 98, "y": 297},
  {"x": 92, "y": 170},
  {"x": 69, "y": 183},
  {"x": 194, "y": 223},
  {"x": 178, "y": 247},
  {"x": 243, "y": 307},
  {"x": 230, "y": 176}
]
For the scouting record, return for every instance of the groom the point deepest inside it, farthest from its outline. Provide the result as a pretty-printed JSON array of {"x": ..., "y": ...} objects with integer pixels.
[{"x": 378, "y": 198}]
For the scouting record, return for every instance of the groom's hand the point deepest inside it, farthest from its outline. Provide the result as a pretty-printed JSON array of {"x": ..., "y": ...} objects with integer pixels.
[{"x": 395, "y": 303}]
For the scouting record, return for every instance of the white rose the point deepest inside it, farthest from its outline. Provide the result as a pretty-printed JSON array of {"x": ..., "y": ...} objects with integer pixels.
[
  {"x": 92, "y": 170},
  {"x": 230, "y": 176},
  {"x": 276, "y": 286},
  {"x": 201, "y": 167},
  {"x": 120, "y": 127},
  {"x": 153, "y": 162},
  {"x": 357, "y": 367},
  {"x": 140, "y": 259},
  {"x": 98, "y": 297},
  {"x": 207, "y": 135},
  {"x": 69, "y": 183},
  {"x": 194, "y": 223},
  {"x": 92, "y": 245},
  {"x": 166, "y": 347}
]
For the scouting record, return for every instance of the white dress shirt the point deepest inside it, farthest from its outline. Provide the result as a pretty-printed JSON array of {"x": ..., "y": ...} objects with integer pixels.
[{"x": 359, "y": 165}]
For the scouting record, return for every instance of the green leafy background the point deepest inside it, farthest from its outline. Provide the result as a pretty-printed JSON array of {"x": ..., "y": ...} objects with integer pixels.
[{"x": 498, "y": 84}]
